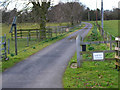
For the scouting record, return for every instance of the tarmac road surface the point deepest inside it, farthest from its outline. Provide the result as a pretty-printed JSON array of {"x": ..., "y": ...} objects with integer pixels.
[{"x": 44, "y": 69}]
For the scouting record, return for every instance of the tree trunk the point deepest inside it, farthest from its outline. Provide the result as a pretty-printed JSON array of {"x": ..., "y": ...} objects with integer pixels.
[{"x": 42, "y": 11}]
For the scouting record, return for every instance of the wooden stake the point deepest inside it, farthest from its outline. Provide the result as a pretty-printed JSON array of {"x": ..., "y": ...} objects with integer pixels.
[
  {"x": 15, "y": 39},
  {"x": 8, "y": 46}
]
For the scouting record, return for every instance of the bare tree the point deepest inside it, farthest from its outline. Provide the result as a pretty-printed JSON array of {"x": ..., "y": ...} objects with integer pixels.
[
  {"x": 67, "y": 12},
  {"x": 40, "y": 9}
]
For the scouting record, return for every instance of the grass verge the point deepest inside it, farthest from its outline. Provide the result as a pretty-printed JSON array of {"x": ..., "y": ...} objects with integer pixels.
[{"x": 92, "y": 74}]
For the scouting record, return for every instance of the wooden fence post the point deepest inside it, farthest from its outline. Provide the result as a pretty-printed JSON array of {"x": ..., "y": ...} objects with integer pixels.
[
  {"x": 21, "y": 33},
  {"x": 105, "y": 35},
  {"x": 27, "y": 41},
  {"x": 78, "y": 48},
  {"x": 29, "y": 34},
  {"x": 117, "y": 56},
  {"x": 56, "y": 31},
  {"x": 51, "y": 32},
  {"x": 37, "y": 34},
  {"x": 110, "y": 43},
  {"x": 15, "y": 39},
  {"x": 8, "y": 46},
  {"x": 63, "y": 30},
  {"x": 60, "y": 31},
  {"x": 5, "y": 47}
]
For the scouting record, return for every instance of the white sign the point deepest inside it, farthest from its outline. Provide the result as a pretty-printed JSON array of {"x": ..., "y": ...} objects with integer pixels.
[{"x": 98, "y": 56}]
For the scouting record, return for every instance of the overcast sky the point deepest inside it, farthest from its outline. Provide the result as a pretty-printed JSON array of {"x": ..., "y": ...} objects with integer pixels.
[{"x": 108, "y": 4}]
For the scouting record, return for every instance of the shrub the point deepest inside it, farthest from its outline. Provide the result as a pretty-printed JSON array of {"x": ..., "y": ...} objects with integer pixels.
[{"x": 91, "y": 48}]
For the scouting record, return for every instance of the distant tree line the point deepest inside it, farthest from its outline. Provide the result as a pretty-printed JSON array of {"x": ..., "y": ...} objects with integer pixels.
[
  {"x": 108, "y": 14},
  {"x": 72, "y": 12}
]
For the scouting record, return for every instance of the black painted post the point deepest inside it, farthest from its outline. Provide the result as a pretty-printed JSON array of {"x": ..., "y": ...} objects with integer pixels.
[
  {"x": 29, "y": 35},
  {"x": 15, "y": 39}
]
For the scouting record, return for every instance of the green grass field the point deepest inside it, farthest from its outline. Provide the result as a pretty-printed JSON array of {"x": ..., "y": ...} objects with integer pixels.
[
  {"x": 6, "y": 28},
  {"x": 92, "y": 74},
  {"x": 111, "y": 26}
]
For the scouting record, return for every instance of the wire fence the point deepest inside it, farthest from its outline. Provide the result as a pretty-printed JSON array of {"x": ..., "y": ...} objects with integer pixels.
[{"x": 30, "y": 37}]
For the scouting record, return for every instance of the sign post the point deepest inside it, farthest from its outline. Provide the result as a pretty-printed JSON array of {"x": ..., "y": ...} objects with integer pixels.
[{"x": 11, "y": 30}]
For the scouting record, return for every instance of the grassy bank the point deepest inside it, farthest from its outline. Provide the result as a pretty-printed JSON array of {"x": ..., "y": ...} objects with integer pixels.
[
  {"x": 22, "y": 40},
  {"x": 92, "y": 74},
  {"x": 33, "y": 49}
]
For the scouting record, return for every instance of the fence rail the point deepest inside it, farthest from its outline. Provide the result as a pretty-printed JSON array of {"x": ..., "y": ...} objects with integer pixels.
[
  {"x": 106, "y": 35},
  {"x": 23, "y": 38},
  {"x": 35, "y": 32},
  {"x": 97, "y": 55},
  {"x": 97, "y": 42}
]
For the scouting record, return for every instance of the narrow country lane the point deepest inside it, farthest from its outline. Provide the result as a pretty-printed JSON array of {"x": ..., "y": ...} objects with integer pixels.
[{"x": 44, "y": 69}]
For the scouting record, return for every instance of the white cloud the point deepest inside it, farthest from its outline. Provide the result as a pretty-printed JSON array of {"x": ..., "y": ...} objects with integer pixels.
[{"x": 108, "y": 4}]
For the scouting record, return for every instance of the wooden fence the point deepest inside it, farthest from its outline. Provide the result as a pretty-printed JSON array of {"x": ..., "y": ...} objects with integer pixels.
[
  {"x": 96, "y": 55},
  {"x": 106, "y": 35},
  {"x": 117, "y": 49},
  {"x": 35, "y": 33},
  {"x": 51, "y": 31},
  {"x": 3, "y": 47},
  {"x": 30, "y": 35}
]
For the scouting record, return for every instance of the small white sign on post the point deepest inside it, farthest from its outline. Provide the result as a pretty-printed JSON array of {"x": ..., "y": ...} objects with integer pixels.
[{"x": 98, "y": 56}]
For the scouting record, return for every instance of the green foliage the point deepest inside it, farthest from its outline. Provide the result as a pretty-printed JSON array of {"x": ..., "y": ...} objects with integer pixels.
[
  {"x": 34, "y": 47},
  {"x": 24, "y": 50},
  {"x": 91, "y": 48},
  {"x": 94, "y": 35},
  {"x": 92, "y": 74},
  {"x": 12, "y": 55}
]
